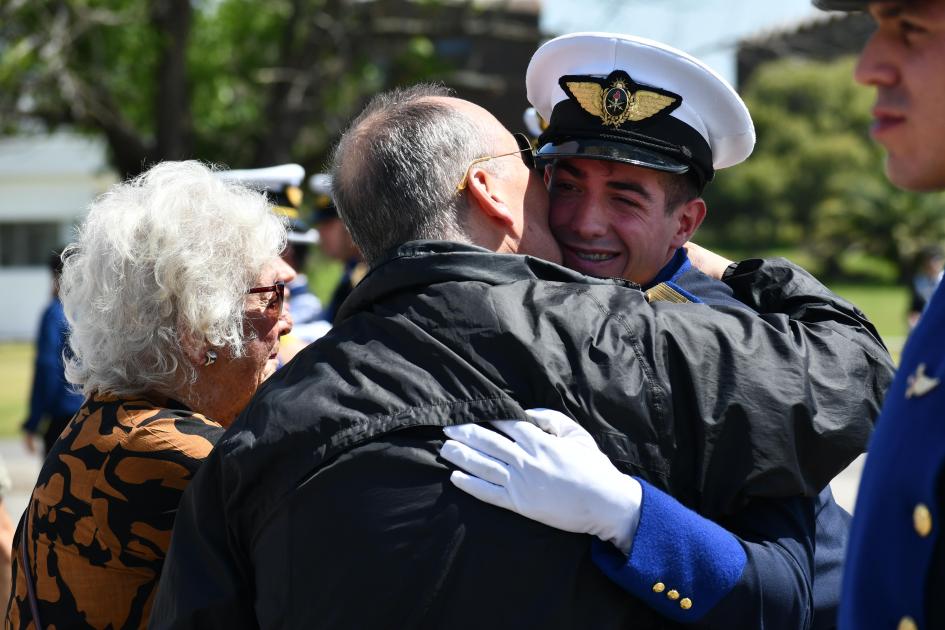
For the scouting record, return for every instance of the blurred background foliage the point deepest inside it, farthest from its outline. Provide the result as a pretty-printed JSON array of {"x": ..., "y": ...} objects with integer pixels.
[
  {"x": 231, "y": 81},
  {"x": 815, "y": 184},
  {"x": 239, "y": 82}
]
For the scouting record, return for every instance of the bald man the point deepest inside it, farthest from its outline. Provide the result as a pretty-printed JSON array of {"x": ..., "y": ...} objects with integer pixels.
[{"x": 327, "y": 504}]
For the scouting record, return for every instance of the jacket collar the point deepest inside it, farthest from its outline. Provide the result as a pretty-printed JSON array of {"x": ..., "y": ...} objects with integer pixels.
[{"x": 417, "y": 264}]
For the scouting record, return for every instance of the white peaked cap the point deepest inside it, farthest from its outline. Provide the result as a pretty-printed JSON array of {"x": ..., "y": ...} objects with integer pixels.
[
  {"x": 269, "y": 178},
  {"x": 706, "y": 102},
  {"x": 320, "y": 183}
]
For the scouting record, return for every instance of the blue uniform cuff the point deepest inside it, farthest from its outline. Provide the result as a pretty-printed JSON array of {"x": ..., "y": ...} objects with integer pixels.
[{"x": 680, "y": 564}]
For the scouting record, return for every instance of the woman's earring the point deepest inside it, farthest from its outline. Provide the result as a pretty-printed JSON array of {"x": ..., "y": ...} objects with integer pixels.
[{"x": 211, "y": 358}]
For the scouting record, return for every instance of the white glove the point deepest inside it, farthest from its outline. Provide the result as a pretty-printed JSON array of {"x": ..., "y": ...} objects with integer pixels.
[{"x": 555, "y": 475}]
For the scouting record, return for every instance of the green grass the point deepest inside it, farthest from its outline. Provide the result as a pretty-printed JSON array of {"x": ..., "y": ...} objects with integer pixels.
[
  {"x": 323, "y": 274},
  {"x": 16, "y": 373},
  {"x": 884, "y": 305}
]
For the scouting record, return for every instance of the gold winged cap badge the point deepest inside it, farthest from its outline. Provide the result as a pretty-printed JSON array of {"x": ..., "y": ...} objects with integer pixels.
[{"x": 616, "y": 104}]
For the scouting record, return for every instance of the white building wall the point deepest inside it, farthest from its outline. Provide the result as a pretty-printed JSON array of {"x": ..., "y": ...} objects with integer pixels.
[
  {"x": 26, "y": 292},
  {"x": 50, "y": 179}
]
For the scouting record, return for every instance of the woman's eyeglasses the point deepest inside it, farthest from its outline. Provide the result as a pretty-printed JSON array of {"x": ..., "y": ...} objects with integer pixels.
[
  {"x": 524, "y": 148},
  {"x": 274, "y": 307}
]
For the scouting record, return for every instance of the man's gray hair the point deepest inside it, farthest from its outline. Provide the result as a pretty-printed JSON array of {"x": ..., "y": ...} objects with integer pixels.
[
  {"x": 166, "y": 255},
  {"x": 396, "y": 168}
]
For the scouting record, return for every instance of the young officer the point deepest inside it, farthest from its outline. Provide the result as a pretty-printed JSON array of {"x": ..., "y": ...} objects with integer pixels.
[{"x": 636, "y": 129}]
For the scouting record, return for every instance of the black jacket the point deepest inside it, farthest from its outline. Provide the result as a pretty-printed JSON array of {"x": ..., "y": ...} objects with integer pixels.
[{"x": 325, "y": 503}]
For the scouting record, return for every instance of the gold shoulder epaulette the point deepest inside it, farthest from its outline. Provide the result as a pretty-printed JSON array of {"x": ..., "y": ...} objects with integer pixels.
[
  {"x": 357, "y": 274},
  {"x": 665, "y": 293}
]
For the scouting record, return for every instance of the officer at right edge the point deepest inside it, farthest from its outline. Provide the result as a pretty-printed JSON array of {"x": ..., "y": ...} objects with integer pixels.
[{"x": 895, "y": 567}]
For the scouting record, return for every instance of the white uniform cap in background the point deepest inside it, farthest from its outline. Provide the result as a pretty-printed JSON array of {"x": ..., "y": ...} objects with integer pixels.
[
  {"x": 281, "y": 187},
  {"x": 274, "y": 178},
  {"x": 534, "y": 124},
  {"x": 320, "y": 184}
]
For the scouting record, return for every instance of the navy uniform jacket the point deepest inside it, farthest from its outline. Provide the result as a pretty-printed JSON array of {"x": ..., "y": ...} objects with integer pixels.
[
  {"x": 896, "y": 561},
  {"x": 706, "y": 575},
  {"x": 51, "y": 396}
]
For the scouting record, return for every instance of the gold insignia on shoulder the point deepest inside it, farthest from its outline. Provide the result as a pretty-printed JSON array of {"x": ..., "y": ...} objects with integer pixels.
[
  {"x": 665, "y": 293},
  {"x": 617, "y": 99},
  {"x": 294, "y": 195},
  {"x": 357, "y": 274}
]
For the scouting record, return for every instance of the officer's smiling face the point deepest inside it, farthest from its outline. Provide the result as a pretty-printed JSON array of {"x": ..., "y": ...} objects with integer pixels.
[
  {"x": 905, "y": 61},
  {"x": 610, "y": 218}
]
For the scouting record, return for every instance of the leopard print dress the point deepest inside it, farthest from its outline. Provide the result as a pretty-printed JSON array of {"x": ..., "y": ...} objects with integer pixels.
[{"x": 99, "y": 520}]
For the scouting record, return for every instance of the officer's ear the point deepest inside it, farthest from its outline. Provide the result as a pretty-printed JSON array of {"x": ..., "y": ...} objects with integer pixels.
[
  {"x": 689, "y": 216},
  {"x": 485, "y": 194}
]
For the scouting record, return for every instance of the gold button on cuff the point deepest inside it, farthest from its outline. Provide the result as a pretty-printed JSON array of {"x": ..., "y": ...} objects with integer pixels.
[
  {"x": 659, "y": 587},
  {"x": 685, "y": 603},
  {"x": 673, "y": 594},
  {"x": 922, "y": 520},
  {"x": 907, "y": 623}
]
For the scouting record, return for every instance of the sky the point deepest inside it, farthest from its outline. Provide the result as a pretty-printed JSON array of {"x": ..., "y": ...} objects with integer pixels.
[{"x": 707, "y": 29}]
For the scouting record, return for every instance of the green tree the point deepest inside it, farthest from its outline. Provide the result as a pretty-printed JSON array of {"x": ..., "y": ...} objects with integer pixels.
[
  {"x": 815, "y": 178},
  {"x": 237, "y": 82}
]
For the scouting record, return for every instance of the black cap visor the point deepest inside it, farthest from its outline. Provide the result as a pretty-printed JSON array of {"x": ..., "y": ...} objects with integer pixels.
[{"x": 599, "y": 149}]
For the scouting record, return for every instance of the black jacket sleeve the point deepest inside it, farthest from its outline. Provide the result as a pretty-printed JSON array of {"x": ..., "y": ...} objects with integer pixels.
[
  {"x": 715, "y": 405},
  {"x": 849, "y": 367},
  {"x": 798, "y": 385}
]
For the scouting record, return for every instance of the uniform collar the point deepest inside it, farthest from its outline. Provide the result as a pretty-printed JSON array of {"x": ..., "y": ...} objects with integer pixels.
[{"x": 677, "y": 266}]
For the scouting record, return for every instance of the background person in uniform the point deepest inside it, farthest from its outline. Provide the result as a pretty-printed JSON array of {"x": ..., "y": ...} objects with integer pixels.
[
  {"x": 328, "y": 490},
  {"x": 52, "y": 400},
  {"x": 895, "y": 567},
  {"x": 173, "y": 290},
  {"x": 623, "y": 204},
  {"x": 929, "y": 264},
  {"x": 281, "y": 185},
  {"x": 336, "y": 243}
]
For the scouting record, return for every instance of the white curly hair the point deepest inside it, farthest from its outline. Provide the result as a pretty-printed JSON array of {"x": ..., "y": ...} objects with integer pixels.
[{"x": 165, "y": 256}]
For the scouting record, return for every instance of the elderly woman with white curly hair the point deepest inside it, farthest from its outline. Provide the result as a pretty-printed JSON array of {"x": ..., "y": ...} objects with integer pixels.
[{"x": 174, "y": 293}]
